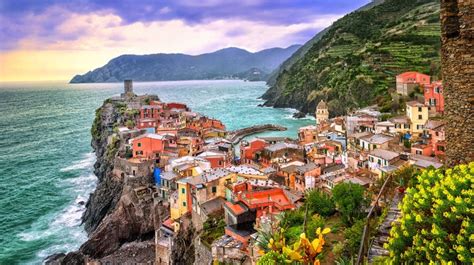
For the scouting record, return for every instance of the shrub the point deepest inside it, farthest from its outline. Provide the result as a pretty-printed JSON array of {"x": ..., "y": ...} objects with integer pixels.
[
  {"x": 350, "y": 201},
  {"x": 321, "y": 203},
  {"x": 436, "y": 225},
  {"x": 353, "y": 235}
]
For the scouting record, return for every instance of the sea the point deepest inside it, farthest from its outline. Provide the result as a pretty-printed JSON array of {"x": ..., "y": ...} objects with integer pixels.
[{"x": 46, "y": 160}]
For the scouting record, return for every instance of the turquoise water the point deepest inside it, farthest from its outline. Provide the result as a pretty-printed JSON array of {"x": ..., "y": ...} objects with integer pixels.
[{"x": 46, "y": 160}]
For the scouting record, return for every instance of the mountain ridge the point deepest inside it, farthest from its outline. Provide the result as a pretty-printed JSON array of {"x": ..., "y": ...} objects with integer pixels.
[
  {"x": 353, "y": 63},
  {"x": 224, "y": 63}
]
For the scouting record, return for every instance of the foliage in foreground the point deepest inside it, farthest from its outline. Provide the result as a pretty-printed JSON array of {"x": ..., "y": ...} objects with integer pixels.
[
  {"x": 437, "y": 219},
  {"x": 350, "y": 201},
  {"x": 303, "y": 251}
]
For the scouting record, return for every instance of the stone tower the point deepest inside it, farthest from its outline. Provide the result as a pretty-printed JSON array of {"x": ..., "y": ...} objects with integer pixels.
[
  {"x": 457, "y": 33},
  {"x": 322, "y": 112},
  {"x": 128, "y": 89}
]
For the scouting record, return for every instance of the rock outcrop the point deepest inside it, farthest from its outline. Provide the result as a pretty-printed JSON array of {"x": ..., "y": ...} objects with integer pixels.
[
  {"x": 122, "y": 209},
  {"x": 108, "y": 191}
]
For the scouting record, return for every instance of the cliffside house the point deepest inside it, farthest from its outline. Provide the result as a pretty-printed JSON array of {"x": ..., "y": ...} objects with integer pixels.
[{"x": 148, "y": 146}]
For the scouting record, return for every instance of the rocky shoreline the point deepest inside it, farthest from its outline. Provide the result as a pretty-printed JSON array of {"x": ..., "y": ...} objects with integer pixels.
[{"x": 120, "y": 224}]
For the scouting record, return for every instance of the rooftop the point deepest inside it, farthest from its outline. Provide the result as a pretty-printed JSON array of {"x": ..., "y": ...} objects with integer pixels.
[
  {"x": 415, "y": 104},
  {"x": 281, "y": 146},
  {"x": 384, "y": 154},
  {"x": 209, "y": 175},
  {"x": 377, "y": 138},
  {"x": 246, "y": 170}
]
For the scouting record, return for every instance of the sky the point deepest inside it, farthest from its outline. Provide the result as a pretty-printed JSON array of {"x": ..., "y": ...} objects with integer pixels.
[{"x": 54, "y": 40}]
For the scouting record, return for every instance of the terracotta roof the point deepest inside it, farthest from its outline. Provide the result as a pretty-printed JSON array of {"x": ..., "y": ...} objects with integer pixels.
[{"x": 236, "y": 209}]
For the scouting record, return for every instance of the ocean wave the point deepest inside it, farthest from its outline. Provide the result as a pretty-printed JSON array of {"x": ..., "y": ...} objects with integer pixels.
[
  {"x": 87, "y": 162},
  {"x": 63, "y": 227}
]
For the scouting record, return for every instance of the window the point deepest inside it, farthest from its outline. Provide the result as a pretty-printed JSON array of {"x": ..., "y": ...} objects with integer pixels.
[
  {"x": 437, "y": 90},
  {"x": 183, "y": 190},
  {"x": 139, "y": 144},
  {"x": 419, "y": 109},
  {"x": 418, "y": 152},
  {"x": 221, "y": 162},
  {"x": 184, "y": 203},
  {"x": 214, "y": 189},
  {"x": 437, "y": 133},
  {"x": 420, "y": 117}
]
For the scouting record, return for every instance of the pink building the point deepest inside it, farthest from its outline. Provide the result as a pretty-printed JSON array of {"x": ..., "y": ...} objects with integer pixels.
[
  {"x": 406, "y": 82},
  {"x": 435, "y": 131},
  {"x": 434, "y": 96}
]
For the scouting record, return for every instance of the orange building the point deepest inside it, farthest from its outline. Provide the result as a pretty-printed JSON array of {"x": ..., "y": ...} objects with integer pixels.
[
  {"x": 148, "y": 146},
  {"x": 217, "y": 159},
  {"x": 249, "y": 151},
  {"x": 434, "y": 98},
  {"x": 434, "y": 130},
  {"x": 421, "y": 149},
  {"x": 248, "y": 206},
  {"x": 406, "y": 82},
  {"x": 308, "y": 134}
]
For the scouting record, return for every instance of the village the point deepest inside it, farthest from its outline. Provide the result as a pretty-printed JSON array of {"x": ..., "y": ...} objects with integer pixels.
[{"x": 186, "y": 161}]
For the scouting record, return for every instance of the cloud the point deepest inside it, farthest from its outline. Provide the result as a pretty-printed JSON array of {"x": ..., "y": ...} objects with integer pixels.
[{"x": 54, "y": 39}]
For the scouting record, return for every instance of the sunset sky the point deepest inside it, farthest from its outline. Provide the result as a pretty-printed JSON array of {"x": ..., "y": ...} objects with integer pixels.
[{"x": 54, "y": 40}]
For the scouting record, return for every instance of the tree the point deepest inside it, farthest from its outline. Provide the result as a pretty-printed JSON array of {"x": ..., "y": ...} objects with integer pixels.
[
  {"x": 350, "y": 201},
  {"x": 353, "y": 235},
  {"x": 437, "y": 222},
  {"x": 321, "y": 203}
]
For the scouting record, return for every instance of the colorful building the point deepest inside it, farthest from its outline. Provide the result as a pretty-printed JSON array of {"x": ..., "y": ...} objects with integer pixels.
[
  {"x": 148, "y": 146},
  {"x": 408, "y": 81},
  {"x": 308, "y": 134},
  {"x": 418, "y": 115},
  {"x": 251, "y": 151},
  {"x": 434, "y": 98}
]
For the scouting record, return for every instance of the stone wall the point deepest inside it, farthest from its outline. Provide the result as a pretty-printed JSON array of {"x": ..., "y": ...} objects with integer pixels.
[{"x": 457, "y": 26}]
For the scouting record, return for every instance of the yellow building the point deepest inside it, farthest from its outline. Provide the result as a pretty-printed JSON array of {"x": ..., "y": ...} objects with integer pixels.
[
  {"x": 180, "y": 200},
  {"x": 418, "y": 115},
  {"x": 402, "y": 124}
]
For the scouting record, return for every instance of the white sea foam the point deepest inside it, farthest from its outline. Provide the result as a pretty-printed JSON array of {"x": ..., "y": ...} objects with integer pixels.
[
  {"x": 64, "y": 227},
  {"x": 87, "y": 162}
]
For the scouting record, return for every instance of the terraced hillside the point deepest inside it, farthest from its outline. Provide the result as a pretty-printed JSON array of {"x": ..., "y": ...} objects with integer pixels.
[{"x": 355, "y": 62}]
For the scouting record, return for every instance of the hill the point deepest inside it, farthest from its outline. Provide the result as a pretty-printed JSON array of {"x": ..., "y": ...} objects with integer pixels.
[
  {"x": 353, "y": 63},
  {"x": 225, "y": 63}
]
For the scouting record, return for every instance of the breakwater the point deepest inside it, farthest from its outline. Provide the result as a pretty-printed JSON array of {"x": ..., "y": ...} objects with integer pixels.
[{"x": 236, "y": 136}]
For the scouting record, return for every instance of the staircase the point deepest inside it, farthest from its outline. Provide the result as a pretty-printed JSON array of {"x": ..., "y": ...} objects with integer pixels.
[{"x": 376, "y": 248}]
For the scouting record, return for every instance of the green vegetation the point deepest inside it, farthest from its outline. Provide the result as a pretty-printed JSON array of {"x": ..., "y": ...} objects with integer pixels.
[
  {"x": 112, "y": 148},
  {"x": 321, "y": 203},
  {"x": 95, "y": 129},
  {"x": 319, "y": 210},
  {"x": 303, "y": 251},
  {"x": 437, "y": 219},
  {"x": 355, "y": 62},
  {"x": 350, "y": 201},
  {"x": 213, "y": 229}
]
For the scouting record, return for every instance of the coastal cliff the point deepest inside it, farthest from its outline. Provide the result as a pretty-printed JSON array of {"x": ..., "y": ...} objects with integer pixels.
[{"x": 120, "y": 218}]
